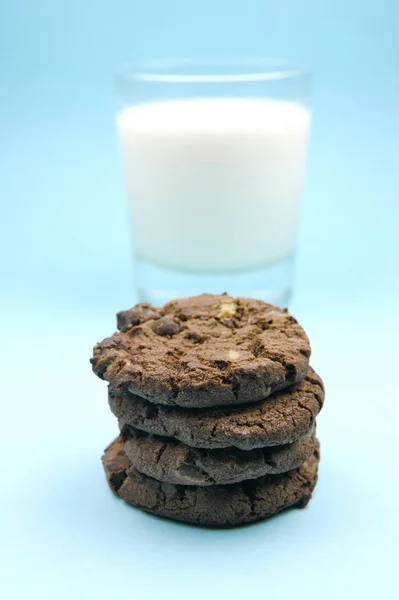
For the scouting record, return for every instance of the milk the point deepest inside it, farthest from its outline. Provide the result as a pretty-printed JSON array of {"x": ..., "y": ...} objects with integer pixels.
[{"x": 214, "y": 184}]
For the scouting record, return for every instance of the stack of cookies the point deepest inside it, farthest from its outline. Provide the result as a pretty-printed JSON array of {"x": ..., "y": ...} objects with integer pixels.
[{"x": 216, "y": 405}]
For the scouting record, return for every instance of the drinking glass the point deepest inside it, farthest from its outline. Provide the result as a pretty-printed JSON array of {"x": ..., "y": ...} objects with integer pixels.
[{"x": 213, "y": 158}]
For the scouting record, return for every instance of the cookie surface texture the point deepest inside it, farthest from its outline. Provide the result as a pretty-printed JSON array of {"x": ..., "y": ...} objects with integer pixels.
[
  {"x": 283, "y": 418},
  {"x": 208, "y": 350},
  {"x": 169, "y": 460},
  {"x": 218, "y": 505}
]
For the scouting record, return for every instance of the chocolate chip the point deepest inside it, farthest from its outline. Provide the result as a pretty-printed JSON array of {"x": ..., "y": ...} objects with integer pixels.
[
  {"x": 127, "y": 319},
  {"x": 165, "y": 326},
  {"x": 135, "y": 316}
]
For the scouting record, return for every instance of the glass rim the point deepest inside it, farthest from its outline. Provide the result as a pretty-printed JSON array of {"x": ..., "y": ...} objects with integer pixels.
[{"x": 246, "y": 70}]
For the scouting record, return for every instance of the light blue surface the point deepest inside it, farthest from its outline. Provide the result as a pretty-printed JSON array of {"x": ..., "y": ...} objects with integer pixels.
[{"x": 65, "y": 271}]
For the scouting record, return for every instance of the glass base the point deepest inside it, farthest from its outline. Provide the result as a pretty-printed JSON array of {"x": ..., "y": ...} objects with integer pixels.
[{"x": 158, "y": 285}]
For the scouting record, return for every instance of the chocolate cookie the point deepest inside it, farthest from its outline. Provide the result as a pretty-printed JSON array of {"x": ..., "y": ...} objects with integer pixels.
[
  {"x": 217, "y": 505},
  {"x": 204, "y": 351},
  {"x": 283, "y": 418},
  {"x": 169, "y": 460}
]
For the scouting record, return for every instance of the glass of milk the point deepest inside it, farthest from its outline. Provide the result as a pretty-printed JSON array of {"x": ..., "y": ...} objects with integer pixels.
[{"x": 213, "y": 158}]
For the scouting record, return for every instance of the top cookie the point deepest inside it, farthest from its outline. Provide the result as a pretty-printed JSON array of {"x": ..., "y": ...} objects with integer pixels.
[{"x": 204, "y": 351}]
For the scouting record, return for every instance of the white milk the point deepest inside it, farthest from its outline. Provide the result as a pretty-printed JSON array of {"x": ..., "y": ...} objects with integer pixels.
[{"x": 214, "y": 185}]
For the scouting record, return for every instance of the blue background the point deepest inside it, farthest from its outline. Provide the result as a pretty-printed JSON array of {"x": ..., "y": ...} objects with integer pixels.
[{"x": 66, "y": 270}]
